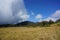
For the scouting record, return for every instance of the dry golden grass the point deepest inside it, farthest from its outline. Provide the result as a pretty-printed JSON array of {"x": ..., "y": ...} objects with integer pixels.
[{"x": 21, "y": 33}]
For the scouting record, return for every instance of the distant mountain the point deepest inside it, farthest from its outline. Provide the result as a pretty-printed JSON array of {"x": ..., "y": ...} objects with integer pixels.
[
  {"x": 25, "y": 23},
  {"x": 31, "y": 24}
]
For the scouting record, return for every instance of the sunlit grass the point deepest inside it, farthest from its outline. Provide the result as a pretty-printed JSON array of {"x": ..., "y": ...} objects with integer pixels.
[{"x": 24, "y": 33}]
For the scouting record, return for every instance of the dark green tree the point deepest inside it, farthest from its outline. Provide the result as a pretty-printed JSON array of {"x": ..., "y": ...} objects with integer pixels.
[
  {"x": 44, "y": 23},
  {"x": 58, "y": 20},
  {"x": 51, "y": 22}
]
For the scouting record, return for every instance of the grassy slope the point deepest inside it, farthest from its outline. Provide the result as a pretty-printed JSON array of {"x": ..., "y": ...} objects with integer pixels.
[{"x": 43, "y": 33}]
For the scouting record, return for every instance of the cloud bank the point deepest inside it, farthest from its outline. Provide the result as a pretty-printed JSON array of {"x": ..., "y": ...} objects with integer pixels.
[
  {"x": 55, "y": 16},
  {"x": 12, "y": 11}
]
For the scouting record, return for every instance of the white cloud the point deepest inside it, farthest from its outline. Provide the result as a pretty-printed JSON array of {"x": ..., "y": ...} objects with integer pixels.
[
  {"x": 12, "y": 11},
  {"x": 22, "y": 15},
  {"x": 50, "y": 18},
  {"x": 38, "y": 16},
  {"x": 54, "y": 16},
  {"x": 24, "y": 18}
]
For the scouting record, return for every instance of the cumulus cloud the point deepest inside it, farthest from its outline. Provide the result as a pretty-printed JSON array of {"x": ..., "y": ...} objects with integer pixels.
[
  {"x": 38, "y": 16},
  {"x": 55, "y": 16},
  {"x": 21, "y": 16},
  {"x": 12, "y": 11}
]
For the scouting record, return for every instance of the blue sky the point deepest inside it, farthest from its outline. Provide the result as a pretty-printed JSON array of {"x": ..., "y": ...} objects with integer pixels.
[
  {"x": 44, "y": 7},
  {"x": 14, "y": 11}
]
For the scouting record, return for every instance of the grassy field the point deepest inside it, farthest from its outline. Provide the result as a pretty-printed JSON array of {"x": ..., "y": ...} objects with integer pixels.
[{"x": 23, "y": 33}]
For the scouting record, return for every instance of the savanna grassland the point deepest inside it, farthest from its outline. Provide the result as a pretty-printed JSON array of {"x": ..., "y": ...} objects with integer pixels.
[{"x": 24, "y": 33}]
